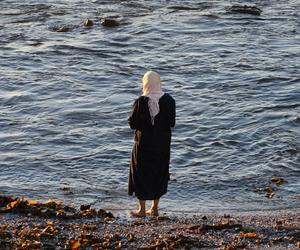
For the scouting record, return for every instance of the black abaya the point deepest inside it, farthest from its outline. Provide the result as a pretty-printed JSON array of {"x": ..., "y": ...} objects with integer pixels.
[{"x": 149, "y": 168}]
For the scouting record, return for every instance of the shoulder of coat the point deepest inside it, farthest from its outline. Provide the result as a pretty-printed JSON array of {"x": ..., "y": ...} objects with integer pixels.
[
  {"x": 141, "y": 99},
  {"x": 167, "y": 95}
]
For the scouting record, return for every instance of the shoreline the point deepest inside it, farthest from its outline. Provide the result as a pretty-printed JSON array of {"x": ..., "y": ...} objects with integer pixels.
[{"x": 29, "y": 224}]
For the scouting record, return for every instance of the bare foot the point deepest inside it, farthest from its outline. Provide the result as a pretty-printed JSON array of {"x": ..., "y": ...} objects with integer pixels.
[
  {"x": 137, "y": 214},
  {"x": 152, "y": 212}
]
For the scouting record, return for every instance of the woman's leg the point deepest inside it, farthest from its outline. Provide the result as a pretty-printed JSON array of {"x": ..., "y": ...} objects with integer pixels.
[
  {"x": 153, "y": 211},
  {"x": 141, "y": 212}
]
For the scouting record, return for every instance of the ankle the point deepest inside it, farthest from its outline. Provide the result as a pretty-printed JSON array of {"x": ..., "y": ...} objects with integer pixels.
[{"x": 142, "y": 210}]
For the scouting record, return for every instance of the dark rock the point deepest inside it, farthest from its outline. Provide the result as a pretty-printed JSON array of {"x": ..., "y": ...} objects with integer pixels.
[
  {"x": 85, "y": 207},
  {"x": 163, "y": 218},
  {"x": 88, "y": 23},
  {"x": 4, "y": 200},
  {"x": 47, "y": 212},
  {"x": 5, "y": 235},
  {"x": 245, "y": 9},
  {"x": 109, "y": 22},
  {"x": 69, "y": 209},
  {"x": 5, "y": 244},
  {"x": 89, "y": 213},
  {"x": 103, "y": 214}
]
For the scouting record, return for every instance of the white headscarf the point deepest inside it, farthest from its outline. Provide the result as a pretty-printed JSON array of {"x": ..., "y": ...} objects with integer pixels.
[{"x": 152, "y": 89}]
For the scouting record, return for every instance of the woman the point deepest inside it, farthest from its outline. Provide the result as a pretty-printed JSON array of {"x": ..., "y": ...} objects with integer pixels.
[{"x": 152, "y": 117}]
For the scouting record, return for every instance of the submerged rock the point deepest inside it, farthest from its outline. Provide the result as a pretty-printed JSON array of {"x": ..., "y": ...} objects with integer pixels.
[
  {"x": 109, "y": 22},
  {"x": 183, "y": 8},
  {"x": 277, "y": 180},
  {"x": 245, "y": 9},
  {"x": 63, "y": 28}
]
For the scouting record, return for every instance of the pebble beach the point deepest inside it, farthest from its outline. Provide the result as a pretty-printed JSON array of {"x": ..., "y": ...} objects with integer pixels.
[{"x": 29, "y": 224}]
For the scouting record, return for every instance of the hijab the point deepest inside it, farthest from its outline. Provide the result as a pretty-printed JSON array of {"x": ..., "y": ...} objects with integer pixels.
[{"x": 152, "y": 90}]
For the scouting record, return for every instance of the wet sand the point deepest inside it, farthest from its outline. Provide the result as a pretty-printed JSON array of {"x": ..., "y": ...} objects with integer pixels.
[{"x": 27, "y": 224}]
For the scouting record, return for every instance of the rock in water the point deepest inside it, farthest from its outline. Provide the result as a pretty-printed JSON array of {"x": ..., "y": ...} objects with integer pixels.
[
  {"x": 88, "y": 23},
  {"x": 245, "y": 9},
  {"x": 63, "y": 28},
  {"x": 109, "y": 22}
]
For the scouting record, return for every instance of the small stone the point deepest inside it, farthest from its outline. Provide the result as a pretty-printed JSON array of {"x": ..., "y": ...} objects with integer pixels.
[
  {"x": 88, "y": 23},
  {"x": 130, "y": 237}
]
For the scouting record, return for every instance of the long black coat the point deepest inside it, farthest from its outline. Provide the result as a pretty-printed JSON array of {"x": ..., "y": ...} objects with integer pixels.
[{"x": 149, "y": 168}]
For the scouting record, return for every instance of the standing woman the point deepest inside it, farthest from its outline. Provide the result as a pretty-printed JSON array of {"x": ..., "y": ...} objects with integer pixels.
[{"x": 152, "y": 117}]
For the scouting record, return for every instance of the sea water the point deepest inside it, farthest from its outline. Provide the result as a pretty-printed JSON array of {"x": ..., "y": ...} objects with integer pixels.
[{"x": 65, "y": 98}]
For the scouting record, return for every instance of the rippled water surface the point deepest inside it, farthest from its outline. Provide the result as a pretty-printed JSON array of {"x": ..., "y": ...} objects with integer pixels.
[{"x": 65, "y": 98}]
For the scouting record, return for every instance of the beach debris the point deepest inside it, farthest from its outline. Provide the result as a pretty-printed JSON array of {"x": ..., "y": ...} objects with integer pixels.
[
  {"x": 109, "y": 22},
  {"x": 88, "y": 23},
  {"x": 248, "y": 235},
  {"x": 245, "y": 9},
  {"x": 50, "y": 209},
  {"x": 179, "y": 241},
  {"x": 234, "y": 245},
  {"x": 218, "y": 226},
  {"x": 73, "y": 244},
  {"x": 18, "y": 230},
  {"x": 141, "y": 222}
]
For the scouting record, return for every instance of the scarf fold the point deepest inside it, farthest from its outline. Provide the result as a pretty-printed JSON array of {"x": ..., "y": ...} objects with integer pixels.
[
  {"x": 152, "y": 90},
  {"x": 153, "y": 104}
]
